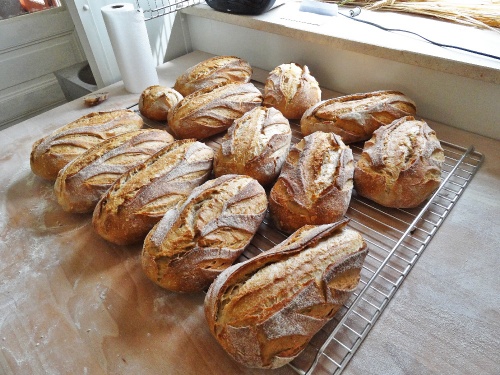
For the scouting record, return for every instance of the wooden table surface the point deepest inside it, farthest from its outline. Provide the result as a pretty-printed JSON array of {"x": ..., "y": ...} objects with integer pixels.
[{"x": 71, "y": 303}]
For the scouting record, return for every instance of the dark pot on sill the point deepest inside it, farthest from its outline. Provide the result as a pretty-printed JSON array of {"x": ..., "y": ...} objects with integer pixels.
[{"x": 249, "y": 7}]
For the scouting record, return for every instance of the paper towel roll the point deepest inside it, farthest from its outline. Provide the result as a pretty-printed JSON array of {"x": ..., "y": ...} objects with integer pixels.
[{"x": 129, "y": 38}]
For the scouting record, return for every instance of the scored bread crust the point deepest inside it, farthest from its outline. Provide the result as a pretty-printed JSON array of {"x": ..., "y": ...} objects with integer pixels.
[
  {"x": 51, "y": 153},
  {"x": 213, "y": 71},
  {"x": 156, "y": 101},
  {"x": 264, "y": 311},
  {"x": 255, "y": 145},
  {"x": 315, "y": 184},
  {"x": 400, "y": 166},
  {"x": 291, "y": 89},
  {"x": 82, "y": 182},
  {"x": 141, "y": 196},
  {"x": 355, "y": 117},
  {"x": 190, "y": 246},
  {"x": 212, "y": 110}
]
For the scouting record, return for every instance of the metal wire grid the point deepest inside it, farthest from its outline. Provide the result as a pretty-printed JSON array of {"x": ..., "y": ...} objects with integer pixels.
[
  {"x": 396, "y": 238},
  {"x": 159, "y": 8}
]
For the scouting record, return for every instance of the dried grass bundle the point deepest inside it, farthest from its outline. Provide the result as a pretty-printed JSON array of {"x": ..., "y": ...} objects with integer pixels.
[{"x": 478, "y": 13}]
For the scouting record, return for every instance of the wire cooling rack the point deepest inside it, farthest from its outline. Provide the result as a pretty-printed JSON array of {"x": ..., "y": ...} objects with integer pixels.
[
  {"x": 159, "y": 8},
  {"x": 395, "y": 237}
]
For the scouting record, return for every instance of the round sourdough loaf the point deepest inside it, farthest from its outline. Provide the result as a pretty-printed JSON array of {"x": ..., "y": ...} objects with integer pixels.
[
  {"x": 264, "y": 311},
  {"x": 82, "y": 182},
  {"x": 255, "y": 145},
  {"x": 400, "y": 165},
  {"x": 156, "y": 101},
  {"x": 355, "y": 117},
  {"x": 51, "y": 153},
  {"x": 191, "y": 246},
  {"x": 291, "y": 89},
  {"x": 213, "y": 71},
  {"x": 212, "y": 110},
  {"x": 141, "y": 196},
  {"x": 315, "y": 183}
]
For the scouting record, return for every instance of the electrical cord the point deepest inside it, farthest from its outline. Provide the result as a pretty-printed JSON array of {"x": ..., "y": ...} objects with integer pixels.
[{"x": 356, "y": 11}]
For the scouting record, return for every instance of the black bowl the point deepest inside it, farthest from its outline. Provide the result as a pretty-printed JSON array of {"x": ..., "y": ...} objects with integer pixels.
[{"x": 252, "y": 7}]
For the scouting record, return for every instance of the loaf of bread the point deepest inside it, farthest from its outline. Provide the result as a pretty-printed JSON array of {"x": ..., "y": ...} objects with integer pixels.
[
  {"x": 140, "y": 197},
  {"x": 191, "y": 246},
  {"x": 82, "y": 182},
  {"x": 255, "y": 145},
  {"x": 50, "y": 154},
  {"x": 264, "y": 311},
  {"x": 213, "y": 71},
  {"x": 291, "y": 89},
  {"x": 156, "y": 101},
  {"x": 400, "y": 165},
  {"x": 315, "y": 183},
  {"x": 355, "y": 117},
  {"x": 212, "y": 110}
]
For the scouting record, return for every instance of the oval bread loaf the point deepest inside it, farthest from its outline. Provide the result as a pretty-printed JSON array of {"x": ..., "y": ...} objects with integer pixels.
[
  {"x": 189, "y": 247},
  {"x": 50, "y": 154},
  {"x": 82, "y": 182},
  {"x": 291, "y": 89},
  {"x": 212, "y": 110},
  {"x": 264, "y": 311},
  {"x": 355, "y": 117},
  {"x": 400, "y": 166},
  {"x": 315, "y": 183},
  {"x": 156, "y": 101},
  {"x": 255, "y": 145},
  {"x": 213, "y": 71},
  {"x": 141, "y": 196}
]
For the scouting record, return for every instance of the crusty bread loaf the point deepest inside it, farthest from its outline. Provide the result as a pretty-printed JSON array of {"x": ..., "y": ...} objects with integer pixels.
[
  {"x": 189, "y": 247},
  {"x": 82, "y": 182},
  {"x": 255, "y": 145},
  {"x": 156, "y": 101},
  {"x": 291, "y": 89},
  {"x": 315, "y": 183},
  {"x": 400, "y": 165},
  {"x": 212, "y": 110},
  {"x": 140, "y": 197},
  {"x": 264, "y": 311},
  {"x": 355, "y": 117},
  {"x": 213, "y": 71},
  {"x": 50, "y": 154}
]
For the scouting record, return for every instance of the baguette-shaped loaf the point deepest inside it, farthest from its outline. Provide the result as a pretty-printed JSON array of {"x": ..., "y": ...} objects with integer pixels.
[
  {"x": 255, "y": 145},
  {"x": 82, "y": 182},
  {"x": 355, "y": 117},
  {"x": 213, "y": 71},
  {"x": 400, "y": 165},
  {"x": 189, "y": 247},
  {"x": 264, "y": 311},
  {"x": 291, "y": 89},
  {"x": 212, "y": 110},
  {"x": 315, "y": 183},
  {"x": 156, "y": 101},
  {"x": 140, "y": 197},
  {"x": 50, "y": 154}
]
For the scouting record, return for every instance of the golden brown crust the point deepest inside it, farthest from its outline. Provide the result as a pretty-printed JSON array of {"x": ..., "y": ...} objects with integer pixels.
[
  {"x": 156, "y": 101},
  {"x": 82, "y": 182},
  {"x": 255, "y": 145},
  {"x": 291, "y": 89},
  {"x": 213, "y": 71},
  {"x": 141, "y": 196},
  {"x": 212, "y": 110},
  {"x": 355, "y": 117},
  {"x": 50, "y": 154},
  {"x": 315, "y": 183},
  {"x": 264, "y": 311},
  {"x": 190, "y": 246},
  {"x": 400, "y": 165}
]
